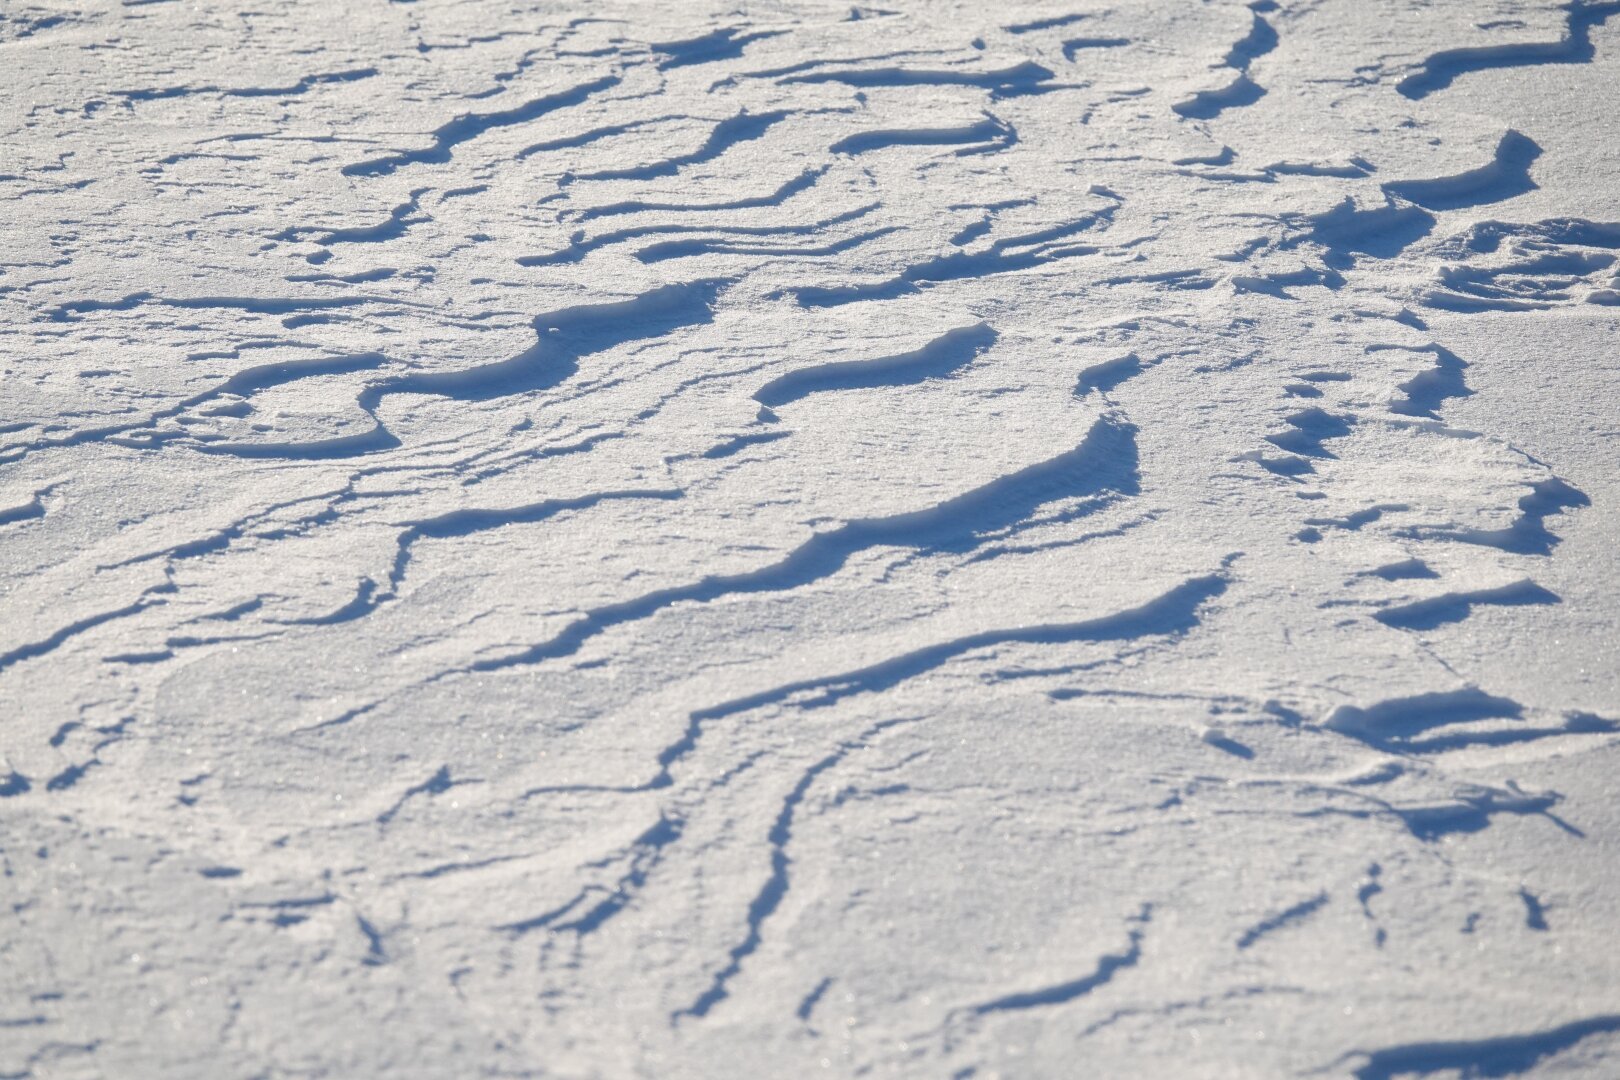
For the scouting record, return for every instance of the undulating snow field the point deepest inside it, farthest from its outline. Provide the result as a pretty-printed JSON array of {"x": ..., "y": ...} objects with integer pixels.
[{"x": 774, "y": 539}]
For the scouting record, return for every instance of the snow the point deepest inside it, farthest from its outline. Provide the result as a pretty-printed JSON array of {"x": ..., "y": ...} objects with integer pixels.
[{"x": 691, "y": 540}]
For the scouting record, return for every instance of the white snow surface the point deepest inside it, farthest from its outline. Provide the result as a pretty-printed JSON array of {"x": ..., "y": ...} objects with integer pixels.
[{"x": 774, "y": 539}]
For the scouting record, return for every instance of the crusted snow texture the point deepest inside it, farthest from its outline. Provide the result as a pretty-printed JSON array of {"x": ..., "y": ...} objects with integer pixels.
[{"x": 704, "y": 539}]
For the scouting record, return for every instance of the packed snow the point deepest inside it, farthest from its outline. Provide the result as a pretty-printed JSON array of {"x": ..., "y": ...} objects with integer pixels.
[{"x": 774, "y": 538}]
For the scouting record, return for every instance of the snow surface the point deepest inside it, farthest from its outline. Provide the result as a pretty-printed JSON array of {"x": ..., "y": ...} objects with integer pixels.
[{"x": 772, "y": 539}]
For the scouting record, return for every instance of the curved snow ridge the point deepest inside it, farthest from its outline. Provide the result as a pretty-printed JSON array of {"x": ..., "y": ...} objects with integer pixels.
[
  {"x": 1104, "y": 464},
  {"x": 468, "y": 126},
  {"x": 1533, "y": 266},
  {"x": 257, "y": 305},
  {"x": 802, "y": 182},
  {"x": 1428, "y": 390},
  {"x": 1435, "y": 611},
  {"x": 1500, "y": 1055},
  {"x": 1108, "y": 966},
  {"x": 1002, "y": 255},
  {"x": 769, "y": 898},
  {"x": 1439, "y": 70},
  {"x": 399, "y": 219},
  {"x": 588, "y": 910},
  {"x": 467, "y": 522},
  {"x": 565, "y": 336},
  {"x": 1242, "y": 90},
  {"x": 1014, "y": 81},
  {"x": 987, "y": 135},
  {"x": 242, "y": 386},
  {"x": 744, "y": 127},
  {"x": 941, "y": 357},
  {"x": 725, "y": 43},
  {"x": 581, "y": 245},
  {"x": 35, "y": 649},
  {"x": 1504, "y": 177},
  {"x": 31, "y": 510},
  {"x": 1527, "y": 534},
  {"x": 1173, "y": 612}
]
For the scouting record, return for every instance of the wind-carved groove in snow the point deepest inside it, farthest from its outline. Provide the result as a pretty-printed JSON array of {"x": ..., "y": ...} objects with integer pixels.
[
  {"x": 1472, "y": 809},
  {"x": 727, "y": 43},
  {"x": 31, "y": 510},
  {"x": 840, "y": 63},
  {"x": 681, "y": 249},
  {"x": 1468, "y": 808},
  {"x": 437, "y": 784},
  {"x": 243, "y": 384},
  {"x": 771, "y": 894},
  {"x": 1531, "y": 285},
  {"x": 51, "y": 641},
  {"x": 1439, "y": 70},
  {"x": 247, "y": 382},
  {"x": 393, "y": 227},
  {"x": 580, "y": 245},
  {"x": 254, "y": 305},
  {"x": 1104, "y": 464},
  {"x": 1540, "y": 277},
  {"x": 579, "y": 915},
  {"x": 1242, "y": 90},
  {"x": 1498, "y": 1055},
  {"x": 469, "y": 126},
  {"x": 1437, "y": 611},
  {"x": 1073, "y": 47},
  {"x": 989, "y": 134},
  {"x": 1528, "y": 534},
  {"x": 1483, "y": 237},
  {"x": 222, "y": 538},
  {"x": 1348, "y": 230},
  {"x": 1108, "y": 966},
  {"x": 738, "y": 443},
  {"x": 803, "y": 182},
  {"x": 302, "y": 86},
  {"x": 1107, "y": 375},
  {"x": 974, "y": 230},
  {"x": 744, "y": 127},
  {"x": 597, "y": 134},
  {"x": 564, "y": 337},
  {"x": 1002, "y": 256},
  {"x": 942, "y": 357},
  {"x": 1051, "y": 22},
  {"x": 1428, "y": 390},
  {"x": 1357, "y": 519},
  {"x": 1174, "y": 612},
  {"x": 1506, "y": 175},
  {"x": 1020, "y": 79},
  {"x": 1450, "y": 720},
  {"x": 1287, "y": 917},
  {"x": 1307, "y": 430},
  {"x": 468, "y": 522}
]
